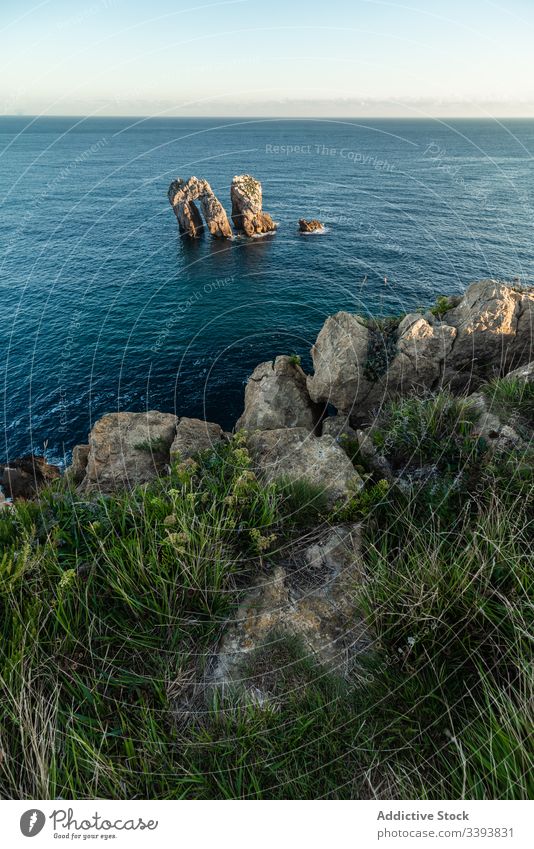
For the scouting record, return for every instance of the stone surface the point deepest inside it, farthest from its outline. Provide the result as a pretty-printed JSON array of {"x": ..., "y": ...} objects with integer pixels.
[
  {"x": 126, "y": 449},
  {"x": 310, "y": 225},
  {"x": 76, "y": 470},
  {"x": 422, "y": 348},
  {"x": 499, "y": 435},
  {"x": 339, "y": 356},
  {"x": 378, "y": 466},
  {"x": 494, "y": 332},
  {"x": 247, "y": 213},
  {"x": 315, "y": 602},
  {"x": 488, "y": 332},
  {"x": 294, "y": 454},
  {"x": 525, "y": 373},
  {"x": 338, "y": 427},
  {"x": 24, "y": 476},
  {"x": 182, "y": 196},
  {"x": 276, "y": 396},
  {"x": 194, "y": 436}
]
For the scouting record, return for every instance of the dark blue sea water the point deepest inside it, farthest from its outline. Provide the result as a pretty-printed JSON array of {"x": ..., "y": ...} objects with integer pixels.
[{"x": 106, "y": 307}]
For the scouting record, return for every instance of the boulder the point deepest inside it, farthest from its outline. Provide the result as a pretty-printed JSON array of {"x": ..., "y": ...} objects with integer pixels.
[
  {"x": 311, "y": 225},
  {"x": 194, "y": 436},
  {"x": 276, "y": 396},
  {"x": 315, "y": 603},
  {"x": 498, "y": 435},
  {"x": 296, "y": 455},
  {"x": 25, "y": 476},
  {"x": 76, "y": 470},
  {"x": 247, "y": 213},
  {"x": 503, "y": 430},
  {"x": 182, "y": 196},
  {"x": 494, "y": 332},
  {"x": 127, "y": 449},
  {"x": 524, "y": 373},
  {"x": 423, "y": 344}
]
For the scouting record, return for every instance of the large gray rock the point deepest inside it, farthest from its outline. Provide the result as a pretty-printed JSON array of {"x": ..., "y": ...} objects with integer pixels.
[
  {"x": 126, "y": 449},
  {"x": 247, "y": 213},
  {"x": 194, "y": 436},
  {"x": 294, "y": 454},
  {"x": 524, "y": 373},
  {"x": 182, "y": 196},
  {"x": 339, "y": 428},
  {"x": 339, "y": 357},
  {"x": 422, "y": 347},
  {"x": 276, "y": 396}
]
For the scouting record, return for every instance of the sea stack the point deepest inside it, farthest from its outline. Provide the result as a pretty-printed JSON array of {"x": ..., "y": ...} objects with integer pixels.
[
  {"x": 183, "y": 196},
  {"x": 247, "y": 213}
]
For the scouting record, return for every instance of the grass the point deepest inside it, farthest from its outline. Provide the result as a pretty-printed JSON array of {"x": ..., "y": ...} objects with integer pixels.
[
  {"x": 111, "y": 607},
  {"x": 443, "y": 304},
  {"x": 382, "y": 346},
  {"x": 414, "y": 432},
  {"x": 156, "y": 445},
  {"x": 512, "y": 399}
]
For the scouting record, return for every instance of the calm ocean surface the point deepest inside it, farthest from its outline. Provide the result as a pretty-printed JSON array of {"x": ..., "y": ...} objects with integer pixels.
[{"x": 106, "y": 307}]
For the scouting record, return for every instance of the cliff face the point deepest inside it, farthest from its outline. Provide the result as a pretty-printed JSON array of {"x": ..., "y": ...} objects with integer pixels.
[{"x": 358, "y": 366}]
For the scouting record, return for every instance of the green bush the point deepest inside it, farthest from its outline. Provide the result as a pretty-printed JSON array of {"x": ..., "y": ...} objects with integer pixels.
[
  {"x": 437, "y": 429},
  {"x": 512, "y": 399}
]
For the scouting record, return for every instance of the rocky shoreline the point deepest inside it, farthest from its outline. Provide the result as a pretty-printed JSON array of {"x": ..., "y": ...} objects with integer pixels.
[{"x": 293, "y": 429}]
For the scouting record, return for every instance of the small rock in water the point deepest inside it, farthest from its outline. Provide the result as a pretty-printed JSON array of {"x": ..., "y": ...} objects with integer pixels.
[{"x": 310, "y": 225}]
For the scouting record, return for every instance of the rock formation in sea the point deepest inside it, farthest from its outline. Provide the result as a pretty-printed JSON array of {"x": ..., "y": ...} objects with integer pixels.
[
  {"x": 183, "y": 197},
  {"x": 310, "y": 225},
  {"x": 247, "y": 213}
]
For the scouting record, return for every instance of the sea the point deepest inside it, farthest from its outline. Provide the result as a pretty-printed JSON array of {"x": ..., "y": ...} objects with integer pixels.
[{"x": 106, "y": 306}]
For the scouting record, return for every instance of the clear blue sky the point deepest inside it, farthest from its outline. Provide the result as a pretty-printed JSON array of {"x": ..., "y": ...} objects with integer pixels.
[{"x": 274, "y": 57}]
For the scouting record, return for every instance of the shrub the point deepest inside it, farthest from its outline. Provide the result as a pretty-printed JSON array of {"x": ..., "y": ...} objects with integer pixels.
[
  {"x": 437, "y": 429},
  {"x": 157, "y": 445},
  {"x": 443, "y": 304},
  {"x": 512, "y": 399},
  {"x": 303, "y": 503}
]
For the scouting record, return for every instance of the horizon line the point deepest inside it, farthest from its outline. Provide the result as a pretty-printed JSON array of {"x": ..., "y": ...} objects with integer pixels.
[{"x": 249, "y": 117}]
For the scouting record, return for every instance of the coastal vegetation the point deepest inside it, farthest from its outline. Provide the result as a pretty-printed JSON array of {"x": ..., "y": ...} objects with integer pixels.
[
  {"x": 318, "y": 605},
  {"x": 112, "y": 605}
]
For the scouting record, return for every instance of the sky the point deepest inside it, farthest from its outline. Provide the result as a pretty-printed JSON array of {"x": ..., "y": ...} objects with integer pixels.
[{"x": 267, "y": 57}]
